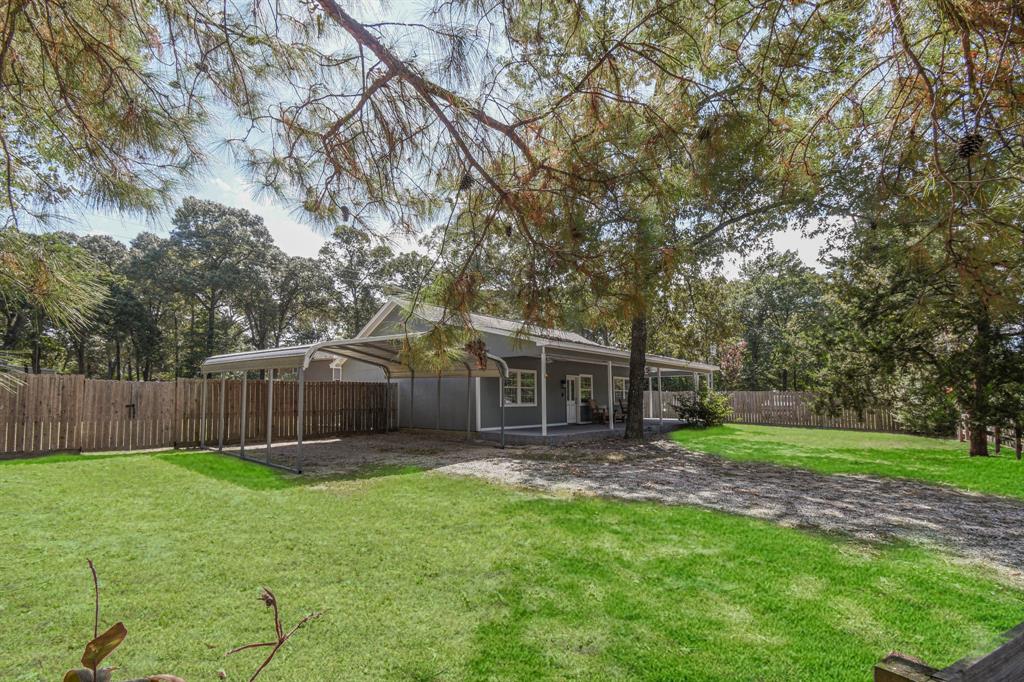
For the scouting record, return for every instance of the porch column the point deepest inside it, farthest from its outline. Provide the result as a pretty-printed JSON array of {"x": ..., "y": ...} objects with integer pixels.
[
  {"x": 611, "y": 399},
  {"x": 650, "y": 395},
  {"x": 220, "y": 429},
  {"x": 696, "y": 382},
  {"x": 412, "y": 399},
  {"x": 270, "y": 410},
  {"x": 300, "y": 417},
  {"x": 242, "y": 415},
  {"x": 711, "y": 381},
  {"x": 469, "y": 401},
  {"x": 661, "y": 409},
  {"x": 543, "y": 391},
  {"x": 202, "y": 414}
]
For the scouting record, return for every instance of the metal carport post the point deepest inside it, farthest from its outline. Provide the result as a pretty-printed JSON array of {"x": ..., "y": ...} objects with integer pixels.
[
  {"x": 299, "y": 417},
  {"x": 270, "y": 411},
  {"x": 503, "y": 374}
]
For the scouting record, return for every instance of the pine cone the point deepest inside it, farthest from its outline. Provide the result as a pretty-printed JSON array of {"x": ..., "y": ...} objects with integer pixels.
[
  {"x": 466, "y": 182},
  {"x": 970, "y": 144}
]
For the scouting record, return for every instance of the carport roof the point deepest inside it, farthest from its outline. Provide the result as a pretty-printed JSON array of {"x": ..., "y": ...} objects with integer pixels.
[{"x": 385, "y": 352}]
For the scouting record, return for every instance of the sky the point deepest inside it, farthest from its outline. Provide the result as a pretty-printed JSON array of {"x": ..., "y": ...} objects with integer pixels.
[{"x": 225, "y": 185}]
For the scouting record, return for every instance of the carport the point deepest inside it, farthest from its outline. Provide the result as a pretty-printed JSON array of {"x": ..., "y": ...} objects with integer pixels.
[{"x": 390, "y": 354}]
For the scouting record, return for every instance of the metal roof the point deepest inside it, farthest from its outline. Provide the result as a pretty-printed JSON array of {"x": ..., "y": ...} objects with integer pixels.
[
  {"x": 386, "y": 352},
  {"x": 542, "y": 336},
  {"x": 389, "y": 351}
]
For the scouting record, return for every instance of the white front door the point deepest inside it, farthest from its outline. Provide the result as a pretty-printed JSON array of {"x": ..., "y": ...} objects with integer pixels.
[{"x": 572, "y": 399}]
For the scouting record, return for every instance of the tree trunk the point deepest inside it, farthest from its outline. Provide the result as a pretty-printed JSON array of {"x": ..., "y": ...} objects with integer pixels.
[
  {"x": 211, "y": 319},
  {"x": 80, "y": 357},
  {"x": 37, "y": 344},
  {"x": 978, "y": 412},
  {"x": 637, "y": 364},
  {"x": 979, "y": 440},
  {"x": 1016, "y": 439}
]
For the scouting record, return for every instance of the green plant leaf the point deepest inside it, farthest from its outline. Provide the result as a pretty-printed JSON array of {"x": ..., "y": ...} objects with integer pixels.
[{"x": 104, "y": 645}]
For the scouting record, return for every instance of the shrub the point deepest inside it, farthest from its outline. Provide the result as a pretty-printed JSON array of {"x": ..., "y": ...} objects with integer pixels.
[{"x": 703, "y": 408}]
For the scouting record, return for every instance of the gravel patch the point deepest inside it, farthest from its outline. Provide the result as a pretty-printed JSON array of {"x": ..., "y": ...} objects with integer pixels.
[{"x": 979, "y": 527}]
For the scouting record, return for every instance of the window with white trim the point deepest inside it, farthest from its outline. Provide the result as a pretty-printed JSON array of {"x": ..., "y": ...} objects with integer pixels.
[
  {"x": 586, "y": 388},
  {"x": 621, "y": 389},
  {"x": 520, "y": 388}
]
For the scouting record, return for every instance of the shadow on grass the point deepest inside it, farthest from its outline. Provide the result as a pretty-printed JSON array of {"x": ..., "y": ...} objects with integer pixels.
[
  {"x": 63, "y": 457},
  {"x": 255, "y": 476}
]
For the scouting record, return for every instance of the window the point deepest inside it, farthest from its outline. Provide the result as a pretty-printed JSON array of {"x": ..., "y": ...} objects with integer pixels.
[
  {"x": 586, "y": 388},
  {"x": 621, "y": 389},
  {"x": 336, "y": 373},
  {"x": 520, "y": 389}
]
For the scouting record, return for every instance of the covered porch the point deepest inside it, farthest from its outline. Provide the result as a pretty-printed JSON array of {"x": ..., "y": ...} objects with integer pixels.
[{"x": 574, "y": 433}]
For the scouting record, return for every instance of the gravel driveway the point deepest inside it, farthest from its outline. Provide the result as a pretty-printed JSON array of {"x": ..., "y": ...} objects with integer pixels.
[{"x": 980, "y": 527}]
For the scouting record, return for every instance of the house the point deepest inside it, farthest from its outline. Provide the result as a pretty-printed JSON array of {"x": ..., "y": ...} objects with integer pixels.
[{"x": 523, "y": 379}]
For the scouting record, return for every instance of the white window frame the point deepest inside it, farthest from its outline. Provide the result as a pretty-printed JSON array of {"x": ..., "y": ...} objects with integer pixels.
[
  {"x": 336, "y": 373},
  {"x": 518, "y": 375},
  {"x": 579, "y": 388},
  {"x": 620, "y": 393}
]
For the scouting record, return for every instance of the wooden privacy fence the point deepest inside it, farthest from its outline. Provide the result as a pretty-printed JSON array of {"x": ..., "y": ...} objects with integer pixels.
[
  {"x": 779, "y": 408},
  {"x": 51, "y": 412}
]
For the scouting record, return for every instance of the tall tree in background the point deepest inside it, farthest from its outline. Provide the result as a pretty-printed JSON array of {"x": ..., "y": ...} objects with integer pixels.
[
  {"x": 778, "y": 300},
  {"x": 214, "y": 248},
  {"x": 910, "y": 115},
  {"x": 45, "y": 282}
]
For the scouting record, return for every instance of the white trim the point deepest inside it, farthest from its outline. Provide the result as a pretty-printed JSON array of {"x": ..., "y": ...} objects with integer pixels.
[
  {"x": 519, "y": 388},
  {"x": 377, "y": 318},
  {"x": 522, "y": 426},
  {"x": 650, "y": 360},
  {"x": 543, "y": 378},
  {"x": 478, "y": 402},
  {"x": 576, "y": 380},
  {"x": 611, "y": 399},
  {"x": 579, "y": 387}
]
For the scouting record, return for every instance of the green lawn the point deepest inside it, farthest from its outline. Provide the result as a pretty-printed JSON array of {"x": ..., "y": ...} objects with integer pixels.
[
  {"x": 422, "y": 576},
  {"x": 854, "y": 452}
]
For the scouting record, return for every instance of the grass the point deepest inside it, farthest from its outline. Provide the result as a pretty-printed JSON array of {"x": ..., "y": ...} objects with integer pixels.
[
  {"x": 422, "y": 576},
  {"x": 854, "y": 452}
]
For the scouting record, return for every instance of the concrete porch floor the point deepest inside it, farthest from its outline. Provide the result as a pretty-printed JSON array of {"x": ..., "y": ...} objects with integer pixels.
[{"x": 567, "y": 433}]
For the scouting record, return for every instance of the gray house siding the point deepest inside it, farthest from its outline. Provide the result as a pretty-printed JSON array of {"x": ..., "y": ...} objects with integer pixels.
[
  {"x": 451, "y": 411},
  {"x": 557, "y": 370}
]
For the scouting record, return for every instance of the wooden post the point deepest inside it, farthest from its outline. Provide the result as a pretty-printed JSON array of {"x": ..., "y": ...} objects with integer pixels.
[
  {"x": 999, "y": 439},
  {"x": 1016, "y": 439}
]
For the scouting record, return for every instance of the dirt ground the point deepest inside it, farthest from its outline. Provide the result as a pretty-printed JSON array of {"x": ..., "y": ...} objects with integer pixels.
[{"x": 979, "y": 527}]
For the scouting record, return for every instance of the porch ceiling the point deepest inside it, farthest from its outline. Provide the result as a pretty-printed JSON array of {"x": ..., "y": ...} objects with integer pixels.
[{"x": 601, "y": 355}]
